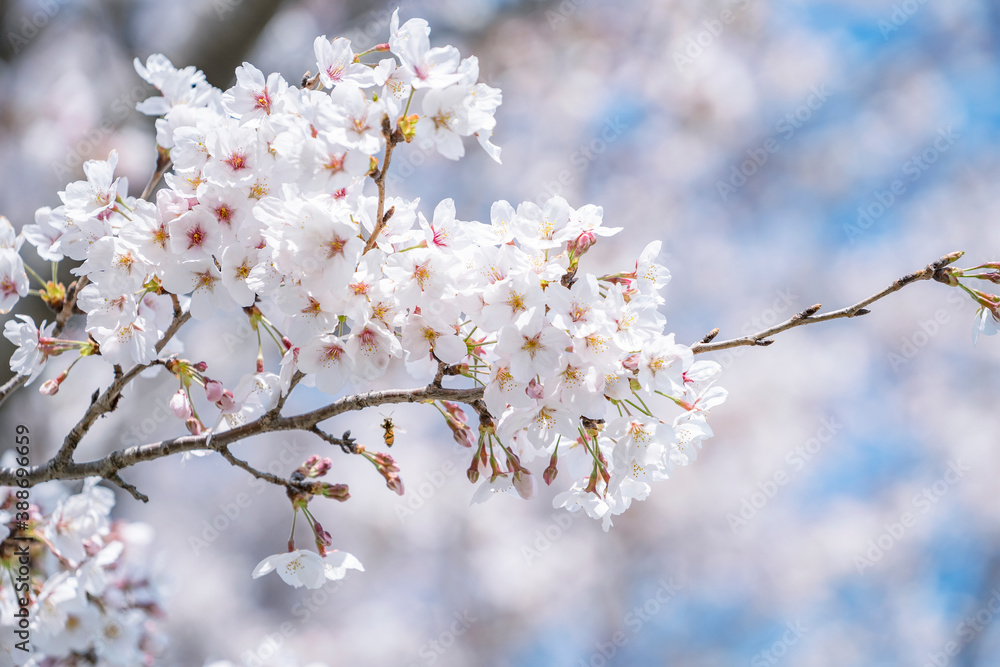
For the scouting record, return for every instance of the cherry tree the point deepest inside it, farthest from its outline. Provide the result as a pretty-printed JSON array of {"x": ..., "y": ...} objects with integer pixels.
[{"x": 270, "y": 205}]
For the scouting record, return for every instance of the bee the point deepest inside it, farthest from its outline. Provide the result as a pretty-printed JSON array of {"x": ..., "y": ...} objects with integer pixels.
[{"x": 390, "y": 431}]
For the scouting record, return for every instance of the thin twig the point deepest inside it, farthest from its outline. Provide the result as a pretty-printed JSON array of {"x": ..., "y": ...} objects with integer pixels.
[
  {"x": 382, "y": 216},
  {"x": 116, "y": 478},
  {"x": 163, "y": 165},
  {"x": 935, "y": 270},
  {"x": 346, "y": 443},
  {"x": 108, "y": 400}
]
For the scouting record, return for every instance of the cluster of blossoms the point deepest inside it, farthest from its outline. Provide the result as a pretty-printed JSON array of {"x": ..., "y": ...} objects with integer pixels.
[
  {"x": 266, "y": 210},
  {"x": 92, "y": 598},
  {"x": 268, "y": 214},
  {"x": 265, "y": 215}
]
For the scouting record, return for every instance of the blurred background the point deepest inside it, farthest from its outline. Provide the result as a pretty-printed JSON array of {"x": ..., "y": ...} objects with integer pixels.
[{"x": 786, "y": 153}]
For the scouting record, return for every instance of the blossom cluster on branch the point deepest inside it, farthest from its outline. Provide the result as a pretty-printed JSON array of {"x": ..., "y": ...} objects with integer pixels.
[{"x": 275, "y": 210}]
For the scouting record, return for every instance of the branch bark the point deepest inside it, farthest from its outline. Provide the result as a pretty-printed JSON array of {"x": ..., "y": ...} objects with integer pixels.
[
  {"x": 109, "y": 466},
  {"x": 937, "y": 270}
]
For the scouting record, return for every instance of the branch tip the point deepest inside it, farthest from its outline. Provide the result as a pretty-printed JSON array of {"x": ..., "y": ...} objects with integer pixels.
[
  {"x": 710, "y": 336},
  {"x": 116, "y": 479}
]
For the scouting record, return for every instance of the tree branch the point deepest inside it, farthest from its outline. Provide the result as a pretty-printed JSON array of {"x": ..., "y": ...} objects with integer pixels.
[
  {"x": 109, "y": 465},
  {"x": 382, "y": 216},
  {"x": 107, "y": 401},
  {"x": 936, "y": 270}
]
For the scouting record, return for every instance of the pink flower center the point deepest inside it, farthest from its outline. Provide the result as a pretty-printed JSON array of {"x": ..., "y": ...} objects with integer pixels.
[{"x": 237, "y": 161}]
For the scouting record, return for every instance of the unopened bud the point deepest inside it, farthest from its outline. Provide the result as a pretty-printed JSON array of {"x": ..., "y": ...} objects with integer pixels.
[
  {"x": 180, "y": 405},
  {"x": 550, "y": 472},
  {"x": 49, "y": 388},
  {"x": 631, "y": 362},
  {"x": 323, "y": 538},
  {"x": 214, "y": 390},
  {"x": 336, "y": 491},
  {"x": 583, "y": 243},
  {"x": 535, "y": 390},
  {"x": 463, "y": 436},
  {"x": 394, "y": 482},
  {"x": 323, "y": 466},
  {"x": 194, "y": 426},
  {"x": 549, "y": 475},
  {"x": 524, "y": 484}
]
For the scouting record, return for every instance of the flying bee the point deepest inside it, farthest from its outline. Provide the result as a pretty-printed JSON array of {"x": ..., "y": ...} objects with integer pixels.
[{"x": 390, "y": 431}]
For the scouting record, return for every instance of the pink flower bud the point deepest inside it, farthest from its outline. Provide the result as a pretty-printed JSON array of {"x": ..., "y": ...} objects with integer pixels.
[
  {"x": 473, "y": 472},
  {"x": 201, "y": 366},
  {"x": 49, "y": 388},
  {"x": 583, "y": 242},
  {"x": 524, "y": 484},
  {"x": 463, "y": 436},
  {"x": 455, "y": 411},
  {"x": 322, "y": 537},
  {"x": 535, "y": 390},
  {"x": 323, "y": 466},
  {"x": 394, "y": 482},
  {"x": 549, "y": 475},
  {"x": 631, "y": 362},
  {"x": 227, "y": 404},
  {"x": 180, "y": 405},
  {"x": 214, "y": 390},
  {"x": 194, "y": 426}
]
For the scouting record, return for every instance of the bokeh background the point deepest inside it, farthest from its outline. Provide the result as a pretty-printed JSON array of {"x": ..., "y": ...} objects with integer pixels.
[{"x": 784, "y": 543}]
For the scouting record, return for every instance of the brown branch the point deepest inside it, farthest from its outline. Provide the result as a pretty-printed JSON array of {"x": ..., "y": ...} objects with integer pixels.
[
  {"x": 346, "y": 443},
  {"x": 382, "y": 216},
  {"x": 108, "y": 400},
  {"x": 123, "y": 458},
  {"x": 937, "y": 270},
  {"x": 114, "y": 477},
  {"x": 163, "y": 165}
]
